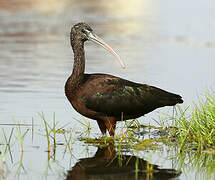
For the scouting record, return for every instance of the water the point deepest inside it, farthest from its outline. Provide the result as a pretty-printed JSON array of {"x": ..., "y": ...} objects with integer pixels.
[{"x": 166, "y": 44}]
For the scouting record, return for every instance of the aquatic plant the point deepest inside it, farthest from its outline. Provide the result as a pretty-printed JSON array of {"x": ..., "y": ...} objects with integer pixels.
[
  {"x": 21, "y": 135},
  {"x": 7, "y": 144},
  {"x": 50, "y": 131},
  {"x": 195, "y": 125}
]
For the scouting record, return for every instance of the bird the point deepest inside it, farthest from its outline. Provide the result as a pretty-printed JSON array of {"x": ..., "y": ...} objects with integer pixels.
[{"x": 107, "y": 98}]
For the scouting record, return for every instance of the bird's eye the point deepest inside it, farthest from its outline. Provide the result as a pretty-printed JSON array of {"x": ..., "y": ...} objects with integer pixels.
[
  {"x": 89, "y": 30},
  {"x": 85, "y": 31}
]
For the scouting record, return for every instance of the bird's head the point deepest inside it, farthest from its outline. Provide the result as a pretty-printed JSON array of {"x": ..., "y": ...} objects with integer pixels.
[{"x": 82, "y": 32}]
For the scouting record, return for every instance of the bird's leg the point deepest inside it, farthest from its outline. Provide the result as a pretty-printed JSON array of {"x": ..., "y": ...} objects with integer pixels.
[
  {"x": 111, "y": 125},
  {"x": 110, "y": 152},
  {"x": 102, "y": 126}
]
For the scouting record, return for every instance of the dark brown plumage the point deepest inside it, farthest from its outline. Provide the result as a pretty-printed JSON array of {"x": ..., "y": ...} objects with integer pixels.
[{"x": 105, "y": 98}]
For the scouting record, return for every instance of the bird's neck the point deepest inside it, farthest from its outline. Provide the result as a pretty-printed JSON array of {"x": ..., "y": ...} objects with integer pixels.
[
  {"x": 77, "y": 76},
  {"x": 79, "y": 63}
]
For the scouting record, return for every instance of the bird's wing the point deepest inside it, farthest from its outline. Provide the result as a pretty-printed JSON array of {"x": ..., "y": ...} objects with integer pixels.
[{"x": 112, "y": 96}]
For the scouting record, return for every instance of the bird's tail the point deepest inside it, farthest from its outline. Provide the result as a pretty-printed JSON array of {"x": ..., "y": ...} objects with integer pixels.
[
  {"x": 172, "y": 99},
  {"x": 168, "y": 99}
]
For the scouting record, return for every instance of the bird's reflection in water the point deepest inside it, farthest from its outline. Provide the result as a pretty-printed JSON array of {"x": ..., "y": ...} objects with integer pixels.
[{"x": 107, "y": 164}]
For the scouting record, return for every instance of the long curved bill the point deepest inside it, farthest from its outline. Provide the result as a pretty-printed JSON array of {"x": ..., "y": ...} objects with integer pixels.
[{"x": 99, "y": 41}]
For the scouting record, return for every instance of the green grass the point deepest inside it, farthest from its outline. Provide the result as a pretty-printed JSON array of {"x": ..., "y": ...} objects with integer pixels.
[{"x": 195, "y": 126}]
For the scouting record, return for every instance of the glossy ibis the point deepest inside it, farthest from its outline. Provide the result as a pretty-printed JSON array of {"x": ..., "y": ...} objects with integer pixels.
[{"x": 106, "y": 98}]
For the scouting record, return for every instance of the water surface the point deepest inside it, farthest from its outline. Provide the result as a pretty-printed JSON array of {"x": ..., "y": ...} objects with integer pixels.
[{"x": 166, "y": 44}]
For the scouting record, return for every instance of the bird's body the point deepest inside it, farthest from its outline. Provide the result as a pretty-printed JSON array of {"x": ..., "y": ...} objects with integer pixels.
[{"x": 106, "y": 98}]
